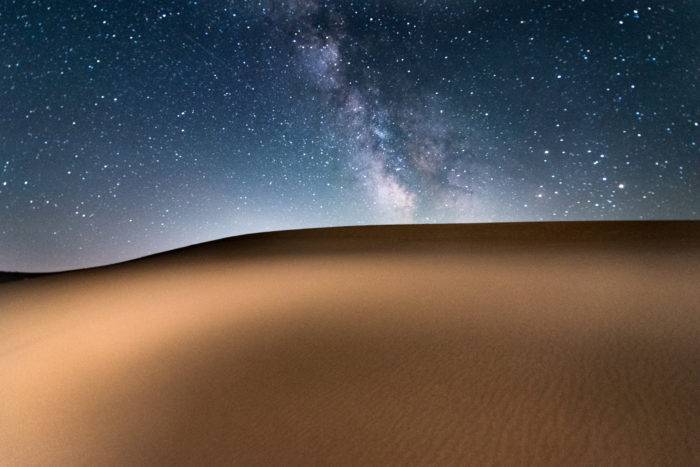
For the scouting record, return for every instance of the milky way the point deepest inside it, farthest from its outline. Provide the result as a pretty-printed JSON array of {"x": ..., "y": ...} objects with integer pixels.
[{"x": 131, "y": 127}]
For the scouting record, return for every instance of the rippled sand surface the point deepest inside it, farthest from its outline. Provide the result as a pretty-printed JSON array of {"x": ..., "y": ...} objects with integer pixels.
[{"x": 547, "y": 344}]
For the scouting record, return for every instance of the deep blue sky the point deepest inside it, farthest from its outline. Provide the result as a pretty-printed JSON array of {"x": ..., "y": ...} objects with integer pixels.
[{"x": 130, "y": 127}]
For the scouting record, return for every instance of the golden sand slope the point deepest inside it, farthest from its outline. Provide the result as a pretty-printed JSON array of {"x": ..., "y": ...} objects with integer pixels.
[{"x": 555, "y": 344}]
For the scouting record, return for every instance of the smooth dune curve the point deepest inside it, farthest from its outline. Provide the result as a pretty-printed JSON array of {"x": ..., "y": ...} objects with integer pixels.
[{"x": 547, "y": 344}]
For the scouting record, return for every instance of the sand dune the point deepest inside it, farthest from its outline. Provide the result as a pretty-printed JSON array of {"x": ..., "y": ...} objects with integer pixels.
[{"x": 547, "y": 344}]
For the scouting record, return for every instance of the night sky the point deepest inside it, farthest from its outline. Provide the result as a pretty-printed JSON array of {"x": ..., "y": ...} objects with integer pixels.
[{"x": 131, "y": 127}]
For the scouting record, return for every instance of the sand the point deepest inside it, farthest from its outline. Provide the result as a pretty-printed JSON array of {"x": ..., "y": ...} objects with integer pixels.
[{"x": 546, "y": 344}]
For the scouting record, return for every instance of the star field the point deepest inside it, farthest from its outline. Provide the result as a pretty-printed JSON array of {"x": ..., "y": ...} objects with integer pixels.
[{"x": 131, "y": 127}]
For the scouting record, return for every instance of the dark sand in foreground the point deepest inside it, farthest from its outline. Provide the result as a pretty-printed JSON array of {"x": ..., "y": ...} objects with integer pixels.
[{"x": 547, "y": 344}]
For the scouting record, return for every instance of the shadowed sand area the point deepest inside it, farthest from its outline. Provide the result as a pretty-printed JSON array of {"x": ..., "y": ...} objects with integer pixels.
[{"x": 549, "y": 344}]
